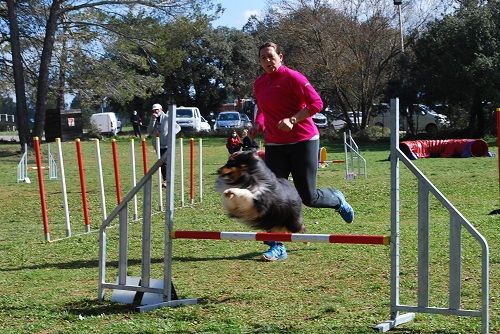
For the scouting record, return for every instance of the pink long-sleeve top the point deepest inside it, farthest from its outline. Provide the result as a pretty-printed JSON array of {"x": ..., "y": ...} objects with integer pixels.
[{"x": 282, "y": 94}]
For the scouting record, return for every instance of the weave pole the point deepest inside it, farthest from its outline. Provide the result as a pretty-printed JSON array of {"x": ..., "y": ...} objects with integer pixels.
[
  {"x": 181, "y": 169},
  {"x": 134, "y": 181},
  {"x": 83, "y": 187},
  {"x": 191, "y": 170},
  {"x": 160, "y": 178},
  {"x": 41, "y": 185},
  {"x": 200, "y": 168},
  {"x": 284, "y": 237},
  {"x": 117, "y": 171},
  {"x": 101, "y": 179},
  {"x": 63, "y": 188},
  {"x": 144, "y": 155}
]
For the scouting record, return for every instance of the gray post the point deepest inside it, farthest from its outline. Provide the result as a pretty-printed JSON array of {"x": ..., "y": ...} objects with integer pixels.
[{"x": 169, "y": 211}]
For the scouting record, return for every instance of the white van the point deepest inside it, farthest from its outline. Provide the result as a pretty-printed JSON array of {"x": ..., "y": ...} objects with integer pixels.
[
  {"x": 106, "y": 123},
  {"x": 189, "y": 119},
  {"x": 424, "y": 118}
]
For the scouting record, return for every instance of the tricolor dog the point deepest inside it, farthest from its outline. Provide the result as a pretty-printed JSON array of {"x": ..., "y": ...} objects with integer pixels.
[{"x": 255, "y": 196}]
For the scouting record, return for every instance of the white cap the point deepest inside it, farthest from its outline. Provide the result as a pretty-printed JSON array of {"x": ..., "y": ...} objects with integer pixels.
[{"x": 157, "y": 106}]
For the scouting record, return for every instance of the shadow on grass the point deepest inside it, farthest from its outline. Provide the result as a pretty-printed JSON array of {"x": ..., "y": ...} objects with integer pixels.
[
  {"x": 93, "y": 308},
  {"x": 403, "y": 330},
  {"x": 9, "y": 153},
  {"x": 253, "y": 256}
]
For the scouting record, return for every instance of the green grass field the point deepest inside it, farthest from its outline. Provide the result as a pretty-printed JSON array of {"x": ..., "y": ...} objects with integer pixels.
[{"x": 321, "y": 288}]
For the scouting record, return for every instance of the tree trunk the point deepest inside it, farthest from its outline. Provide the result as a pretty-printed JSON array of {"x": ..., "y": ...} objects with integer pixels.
[
  {"x": 19, "y": 85},
  {"x": 43, "y": 75},
  {"x": 62, "y": 69}
]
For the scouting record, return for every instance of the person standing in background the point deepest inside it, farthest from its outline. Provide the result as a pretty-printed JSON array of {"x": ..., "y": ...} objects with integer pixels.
[
  {"x": 158, "y": 127},
  {"x": 136, "y": 123}
]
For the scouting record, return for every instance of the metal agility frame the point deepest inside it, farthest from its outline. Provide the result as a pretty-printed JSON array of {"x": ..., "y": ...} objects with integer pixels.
[
  {"x": 353, "y": 159},
  {"x": 147, "y": 294},
  {"x": 457, "y": 221}
]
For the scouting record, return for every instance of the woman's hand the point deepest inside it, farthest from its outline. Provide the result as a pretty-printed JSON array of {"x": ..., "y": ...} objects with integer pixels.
[{"x": 285, "y": 125}]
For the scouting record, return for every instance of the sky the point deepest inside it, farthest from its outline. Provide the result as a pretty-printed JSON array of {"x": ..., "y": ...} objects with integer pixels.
[{"x": 237, "y": 12}]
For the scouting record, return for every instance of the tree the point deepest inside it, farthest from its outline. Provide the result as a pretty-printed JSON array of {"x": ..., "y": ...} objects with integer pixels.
[
  {"x": 218, "y": 67},
  {"x": 348, "y": 49},
  {"x": 19, "y": 84},
  {"x": 95, "y": 15},
  {"x": 458, "y": 60},
  {"x": 211, "y": 64},
  {"x": 346, "y": 52}
]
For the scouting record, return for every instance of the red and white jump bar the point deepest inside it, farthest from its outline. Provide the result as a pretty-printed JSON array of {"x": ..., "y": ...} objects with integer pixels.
[{"x": 284, "y": 237}]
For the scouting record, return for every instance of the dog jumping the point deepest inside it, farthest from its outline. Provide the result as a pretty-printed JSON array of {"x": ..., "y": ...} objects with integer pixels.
[{"x": 255, "y": 196}]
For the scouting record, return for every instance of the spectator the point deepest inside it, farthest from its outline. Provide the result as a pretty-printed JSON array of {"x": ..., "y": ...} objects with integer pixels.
[
  {"x": 158, "y": 127},
  {"x": 233, "y": 142},
  {"x": 248, "y": 143},
  {"x": 136, "y": 123}
]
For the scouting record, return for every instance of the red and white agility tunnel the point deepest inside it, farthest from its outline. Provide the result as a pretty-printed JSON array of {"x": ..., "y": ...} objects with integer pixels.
[
  {"x": 284, "y": 237},
  {"x": 460, "y": 148}
]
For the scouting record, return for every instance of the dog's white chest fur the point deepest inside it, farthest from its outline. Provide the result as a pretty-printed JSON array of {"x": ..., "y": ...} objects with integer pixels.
[{"x": 239, "y": 203}]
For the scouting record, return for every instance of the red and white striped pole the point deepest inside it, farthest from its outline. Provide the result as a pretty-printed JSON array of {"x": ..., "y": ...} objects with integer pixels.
[
  {"x": 41, "y": 186},
  {"x": 285, "y": 237}
]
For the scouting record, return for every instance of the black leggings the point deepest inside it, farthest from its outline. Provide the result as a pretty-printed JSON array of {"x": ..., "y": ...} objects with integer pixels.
[
  {"x": 163, "y": 167},
  {"x": 301, "y": 160}
]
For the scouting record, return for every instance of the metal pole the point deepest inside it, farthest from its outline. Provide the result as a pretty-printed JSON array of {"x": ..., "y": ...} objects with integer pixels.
[
  {"x": 200, "y": 169},
  {"x": 134, "y": 180},
  {"x": 181, "y": 157},
  {"x": 101, "y": 179},
  {"x": 394, "y": 208},
  {"x": 160, "y": 179},
  {"x": 169, "y": 211},
  {"x": 117, "y": 171},
  {"x": 401, "y": 28},
  {"x": 63, "y": 188}
]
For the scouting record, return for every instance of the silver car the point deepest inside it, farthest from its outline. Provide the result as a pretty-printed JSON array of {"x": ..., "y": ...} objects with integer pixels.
[
  {"x": 246, "y": 121},
  {"x": 228, "y": 120}
]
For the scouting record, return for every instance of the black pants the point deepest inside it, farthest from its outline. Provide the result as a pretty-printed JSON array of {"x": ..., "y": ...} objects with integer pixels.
[
  {"x": 163, "y": 167},
  {"x": 301, "y": 160},
  {"x": 137, "y": 130}
]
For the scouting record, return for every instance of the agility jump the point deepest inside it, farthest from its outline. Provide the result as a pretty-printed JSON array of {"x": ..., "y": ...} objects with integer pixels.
[
  {"x": 151, "y": 294},
  {"x": 284, "y": 237}
]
